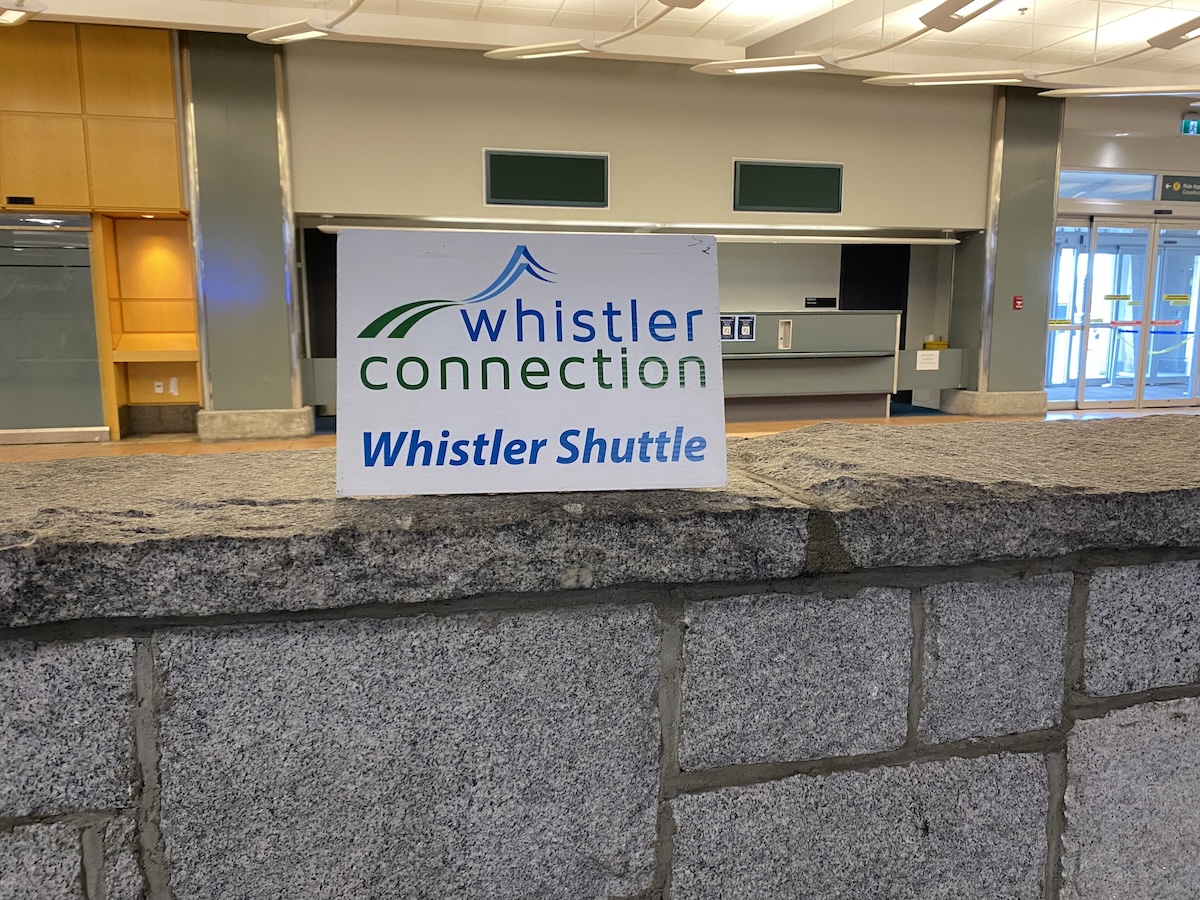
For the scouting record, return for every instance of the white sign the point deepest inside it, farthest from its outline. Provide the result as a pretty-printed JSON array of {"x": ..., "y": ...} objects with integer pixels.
[
  {"x": 927, "y": 360},
  {"x": 499, "y": 362}
]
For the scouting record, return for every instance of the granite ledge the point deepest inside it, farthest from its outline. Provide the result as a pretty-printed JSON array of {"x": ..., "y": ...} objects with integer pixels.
[{"x": 250, "y": 532}]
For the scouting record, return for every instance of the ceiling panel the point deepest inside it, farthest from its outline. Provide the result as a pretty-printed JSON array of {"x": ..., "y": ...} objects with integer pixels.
[
  {"x": 513, "y": 16},
  {"x": 1035, "y": 33}
]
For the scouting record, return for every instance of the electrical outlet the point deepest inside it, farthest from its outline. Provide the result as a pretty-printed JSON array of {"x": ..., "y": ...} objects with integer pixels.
[{"x": 158, "y": 387}]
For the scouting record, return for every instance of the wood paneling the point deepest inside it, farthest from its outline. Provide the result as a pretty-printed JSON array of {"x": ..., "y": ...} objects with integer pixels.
[
  {"x": 143, "y": 376},
  {"x": 127, "y": 71},
  {"x": 43, "y": 157},
  {"x": 154, "y": 260},
  {"x": 39, "y": 68},
  {"x": 158, "y": 315},
  {"x": 134, "y": 164}
]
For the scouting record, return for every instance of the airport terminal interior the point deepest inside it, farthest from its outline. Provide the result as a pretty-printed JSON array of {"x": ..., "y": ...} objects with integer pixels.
[{"x": 921, "y": 210}]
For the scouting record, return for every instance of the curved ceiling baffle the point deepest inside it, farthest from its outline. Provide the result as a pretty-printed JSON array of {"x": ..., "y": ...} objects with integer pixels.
[
  {"x": 1168, "y": 40},
  {"x": 582, "y": 47},
  {"x": 945, "y": 18},
  {"x": 304, "y": 30}
]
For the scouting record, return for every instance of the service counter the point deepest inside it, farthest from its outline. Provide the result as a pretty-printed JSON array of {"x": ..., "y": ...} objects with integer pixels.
[{"x": 827, "y": 363}]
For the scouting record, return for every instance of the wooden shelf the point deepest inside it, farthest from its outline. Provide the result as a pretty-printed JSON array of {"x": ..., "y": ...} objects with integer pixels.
[{"x": 161, "y": 347}]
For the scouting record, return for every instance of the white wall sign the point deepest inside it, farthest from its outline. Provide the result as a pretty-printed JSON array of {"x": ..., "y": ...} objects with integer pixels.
[
  {"x": 527, "y": 362},
  {"x": 928, "y": 360}
]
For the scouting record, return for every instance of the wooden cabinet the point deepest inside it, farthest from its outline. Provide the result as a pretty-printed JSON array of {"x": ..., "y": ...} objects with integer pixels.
[
  {"x": 88, "y": 118},
  {"x": 42, "y": 156},
  {"x": 134, "y": 163},
  {"x": 39, "y": 69},
  {"x": 127, "y": 71}
]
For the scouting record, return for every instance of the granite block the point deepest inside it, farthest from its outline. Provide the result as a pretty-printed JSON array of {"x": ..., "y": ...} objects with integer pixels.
[
  {"x": 994, "y": 657},
  {"x": 950, "y": 494},
  {"x": 248, "y": 532},
  {"x": 781, "y": 677},
  {"x": 486, "y": 756},
  {"x": 1143, "y": 628},
  {"x": 1133, "y": 819},
  {"x": 66, "y": 736},
  {"x": 40, "y": 862},
  {"x": 122, "y": 872},
  {"x": 957, "y": 828}
]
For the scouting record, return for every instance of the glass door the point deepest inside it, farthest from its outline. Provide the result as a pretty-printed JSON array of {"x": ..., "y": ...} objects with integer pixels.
[
  {"x": 1068, "y": 301},
  {"x": 1124, "y": 315},
  {"x": 1169, "y": 370},
  {"x": 1112, "y": 342}
]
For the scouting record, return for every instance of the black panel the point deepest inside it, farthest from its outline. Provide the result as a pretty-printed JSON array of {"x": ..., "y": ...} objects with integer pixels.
[
  {"x": 787, "y": 187},
  {"x": 320, "y": 291},
  {"x": 546, "y": 179},
  {"x": 875, "y": 277}
]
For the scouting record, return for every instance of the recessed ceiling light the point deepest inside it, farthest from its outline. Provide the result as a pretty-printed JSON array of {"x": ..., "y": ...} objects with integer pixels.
[{"x": 1121, "y": 134}]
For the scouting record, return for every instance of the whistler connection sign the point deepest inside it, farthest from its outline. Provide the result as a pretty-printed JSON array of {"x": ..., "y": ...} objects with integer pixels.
[{"x": 493, "y": 362}]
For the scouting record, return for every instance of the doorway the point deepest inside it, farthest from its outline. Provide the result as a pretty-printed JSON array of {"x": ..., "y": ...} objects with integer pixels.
[{"x": 1124, "y": 302}]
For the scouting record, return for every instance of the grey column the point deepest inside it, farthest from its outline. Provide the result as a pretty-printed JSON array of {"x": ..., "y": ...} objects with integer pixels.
[
  {"x": 241, "y": 218},
  {"x": 1012, "y": 257}
]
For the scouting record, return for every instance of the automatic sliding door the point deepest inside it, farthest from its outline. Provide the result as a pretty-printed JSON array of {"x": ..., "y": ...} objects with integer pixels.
[
  {"x": 1064, "y": 348},
  {"x": 1170, "y": 367},
  {"x": 1114, "y": 331}
]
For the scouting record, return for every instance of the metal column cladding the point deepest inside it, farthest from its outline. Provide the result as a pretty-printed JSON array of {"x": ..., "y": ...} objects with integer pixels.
[
  {"x": 1013, "y": 256},
  {"x": 240, "y": 215}
]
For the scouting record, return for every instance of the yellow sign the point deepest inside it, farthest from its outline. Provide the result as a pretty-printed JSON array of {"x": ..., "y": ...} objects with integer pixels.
[
  {"x": 1060, "y": 321},
  {"x": 1178, "y": 299},
  {"x": 1119, "y": 297}
]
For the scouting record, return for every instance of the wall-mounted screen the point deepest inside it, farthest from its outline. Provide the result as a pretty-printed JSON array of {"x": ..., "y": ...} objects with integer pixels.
[
  {"x": 764, "y": 186},
  {"x": 529, "y": 178}
]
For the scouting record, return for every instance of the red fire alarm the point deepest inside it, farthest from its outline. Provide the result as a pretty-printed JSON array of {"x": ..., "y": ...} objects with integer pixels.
[{"x": 1018, "y": 302}]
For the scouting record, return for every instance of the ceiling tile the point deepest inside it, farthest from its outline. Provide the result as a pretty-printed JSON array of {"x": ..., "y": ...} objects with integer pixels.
[
  {"x": 588, "y": 22},
  {"x": 540, "y": 5},
  {"x": 435, "y": 9},
  {"x": 514, "y": 16}
]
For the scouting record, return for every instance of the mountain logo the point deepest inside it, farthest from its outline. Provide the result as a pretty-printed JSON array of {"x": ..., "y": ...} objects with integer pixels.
[{"x": 406, "y": 315}]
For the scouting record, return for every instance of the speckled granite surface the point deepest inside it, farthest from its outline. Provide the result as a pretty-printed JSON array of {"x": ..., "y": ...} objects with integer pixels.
[{"x": 247, "y": 532}]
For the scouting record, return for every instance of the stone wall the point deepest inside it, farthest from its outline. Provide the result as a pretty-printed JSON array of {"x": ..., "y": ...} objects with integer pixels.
[{"x": 945, "y": 661}]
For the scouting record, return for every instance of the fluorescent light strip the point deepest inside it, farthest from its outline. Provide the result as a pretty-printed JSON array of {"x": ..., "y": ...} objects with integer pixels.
[
  {"x": 292, "y": 31},
  {"x": 1174, "y": 37},
  {"x": 763, "y": 65},
  {"x": 543, "y": 51},
  {"x": 1170, "y": 90},
  {"x": 749, "y": 70},
  {"x": 15, "y": 12},
  {"x": 938, "y": 79},
  {"x": 955, "y": 13}
]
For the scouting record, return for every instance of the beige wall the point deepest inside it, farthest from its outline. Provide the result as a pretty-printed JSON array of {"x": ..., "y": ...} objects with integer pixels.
[
  {"x": 776, "y": 277},
  {"x": 386, "y": 130},
  {"x": 1153, "y": 144}
]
